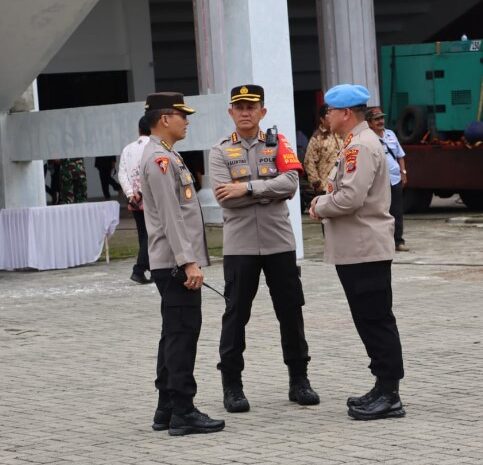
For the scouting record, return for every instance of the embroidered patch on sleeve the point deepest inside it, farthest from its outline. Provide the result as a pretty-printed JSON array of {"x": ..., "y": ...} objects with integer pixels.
[
  {"x": 351, "y": 160},
  {"x": 163, "y": 163}
]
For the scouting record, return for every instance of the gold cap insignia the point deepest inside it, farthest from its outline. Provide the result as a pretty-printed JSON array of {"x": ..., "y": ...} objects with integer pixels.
[{"x": 244, "y": 90}]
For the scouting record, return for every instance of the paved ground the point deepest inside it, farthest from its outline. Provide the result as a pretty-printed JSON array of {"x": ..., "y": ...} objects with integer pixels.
[{"x": 77, "y": 360}]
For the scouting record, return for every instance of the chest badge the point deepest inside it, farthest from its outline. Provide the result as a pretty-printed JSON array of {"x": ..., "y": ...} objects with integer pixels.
[{"x": 188, "y": 193}]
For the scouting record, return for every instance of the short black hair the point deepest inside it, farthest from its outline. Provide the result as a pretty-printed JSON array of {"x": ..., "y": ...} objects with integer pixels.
[
  {"x": 144, "y": 128},
  {"x": 323, "y": 110},
  {"x": 153, "y": 116},
  {"x": 359, "y": 109}
]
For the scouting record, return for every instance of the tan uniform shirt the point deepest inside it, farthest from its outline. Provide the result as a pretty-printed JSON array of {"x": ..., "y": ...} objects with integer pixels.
[
  {"x": 174, "y": 222},
  {"x": 321, "y": 154},
  {"x": 358, "y": 226},
  {"x": 258, "y": 224}
]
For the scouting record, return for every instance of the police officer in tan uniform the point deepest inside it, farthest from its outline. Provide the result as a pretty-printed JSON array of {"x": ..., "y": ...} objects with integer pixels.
[
  {"x": 359, "y": 241},
  {"x": 257, "y": 235},
  {"x": 175, "y": 239}
]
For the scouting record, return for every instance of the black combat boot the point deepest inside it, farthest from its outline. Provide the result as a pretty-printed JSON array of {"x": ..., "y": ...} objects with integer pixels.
[
  {"x": 234, "y": 398},
  {"x": 193, "y": 422},
  {"x": 386, "y": 403},
  {"x": 162, "y": 417},
  {"x": 300, "y": 390},
  {"x": 366, "y": 398}
]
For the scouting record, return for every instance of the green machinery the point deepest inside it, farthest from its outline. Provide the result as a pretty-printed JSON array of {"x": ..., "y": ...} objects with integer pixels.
[{"x": 435, "y": 87}]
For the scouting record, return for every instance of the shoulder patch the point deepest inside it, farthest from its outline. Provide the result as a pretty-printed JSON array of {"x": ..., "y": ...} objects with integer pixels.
[
  {"x": 163, "y": 163},
  {"x": 351, "y": 160}
]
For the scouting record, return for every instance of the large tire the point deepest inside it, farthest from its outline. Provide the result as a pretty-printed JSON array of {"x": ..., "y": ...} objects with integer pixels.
[
  {"x": 473, "y": 199},
  {"x": 417, "y": 200},
  {"x": 412, "y": 124}
]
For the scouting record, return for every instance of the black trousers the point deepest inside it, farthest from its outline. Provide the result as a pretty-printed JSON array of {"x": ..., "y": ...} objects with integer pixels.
[
  {"x": 142, "y": 263},
  {"x": 107, "y": 180},
  {"x": 181, "y": 325},
  {"x": 369, "y": 293},
  {"x": 396, "y": 210},
  {"x": 242, "y": 275}
]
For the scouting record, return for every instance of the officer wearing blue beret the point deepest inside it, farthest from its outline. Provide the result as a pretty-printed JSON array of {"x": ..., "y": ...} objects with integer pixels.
[{"x": 359, "y": 241}]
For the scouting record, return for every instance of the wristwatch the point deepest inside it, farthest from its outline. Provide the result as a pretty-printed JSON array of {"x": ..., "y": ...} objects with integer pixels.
[
  {"x": 249, "y": 188},
  {"x": 404, "y": 172}
]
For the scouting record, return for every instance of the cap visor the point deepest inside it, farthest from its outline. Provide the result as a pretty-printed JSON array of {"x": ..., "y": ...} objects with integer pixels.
[
  {"x": 239, "y": 98},
  {"x": 184, "y": 108}
]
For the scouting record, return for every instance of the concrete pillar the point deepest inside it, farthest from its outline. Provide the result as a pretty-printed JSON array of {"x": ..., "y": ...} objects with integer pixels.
[
  {"x": 21, "y": 183},
  {"x": 347, "y": 44},
  {"x": 208, "y": 16},
  {"x": 248, "y": 41},
  {"x": 140, "y": 47}
]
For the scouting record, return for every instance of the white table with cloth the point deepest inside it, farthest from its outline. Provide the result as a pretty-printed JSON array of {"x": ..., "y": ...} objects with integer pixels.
[{"x": 55, "y": 237}]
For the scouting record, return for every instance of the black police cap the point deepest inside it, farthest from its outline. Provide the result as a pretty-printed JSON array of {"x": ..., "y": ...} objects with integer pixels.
[
  {"x": 167, "y": 101},
  {"x": 249, "y": 92}
]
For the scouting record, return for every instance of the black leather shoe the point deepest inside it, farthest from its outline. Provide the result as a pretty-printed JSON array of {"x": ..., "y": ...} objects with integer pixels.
[
  {"x": 365, "y": 399},
  {"x": 161, "y": 419},
  {"x": 234, "y": 399},
  {"x": 194, "y": 422},
  {"x": 301, "y": 392},
  {"x": 141, "y": 279},
  {"x": 386, "y": 405}
]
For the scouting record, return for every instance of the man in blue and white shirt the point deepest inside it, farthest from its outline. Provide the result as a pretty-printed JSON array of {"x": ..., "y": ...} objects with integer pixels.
[{"x": 397, "y": 171}]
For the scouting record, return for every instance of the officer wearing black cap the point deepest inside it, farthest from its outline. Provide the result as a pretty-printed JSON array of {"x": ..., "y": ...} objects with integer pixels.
[
  {"x": 175, "y": 239},
  {"x": 257, "y": 235},
  {"x": 359, "y": 241}
]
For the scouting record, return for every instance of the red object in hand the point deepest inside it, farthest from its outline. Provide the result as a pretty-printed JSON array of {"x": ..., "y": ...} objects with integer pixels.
[{"x": 286, "y": 159}]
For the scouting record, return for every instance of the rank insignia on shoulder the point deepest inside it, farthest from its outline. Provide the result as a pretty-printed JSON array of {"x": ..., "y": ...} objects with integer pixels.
[
  {"x": 347, "y": 140},
  {"x": 163, "y": 163}
]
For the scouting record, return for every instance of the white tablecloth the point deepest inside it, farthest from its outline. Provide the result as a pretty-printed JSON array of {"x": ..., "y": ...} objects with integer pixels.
[{"x": 55, "y": 237}]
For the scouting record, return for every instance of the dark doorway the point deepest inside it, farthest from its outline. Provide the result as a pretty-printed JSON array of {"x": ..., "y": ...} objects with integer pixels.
[{"x": 69, "y": 90}]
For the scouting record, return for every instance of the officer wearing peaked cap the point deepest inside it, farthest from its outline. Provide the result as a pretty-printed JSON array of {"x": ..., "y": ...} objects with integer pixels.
[
  {"x": 175, "y": 239},
  {"x": 359, "y": 241},
  {"x": 257, "y": 235}
]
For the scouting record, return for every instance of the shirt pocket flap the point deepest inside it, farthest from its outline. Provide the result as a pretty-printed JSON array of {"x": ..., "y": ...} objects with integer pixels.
[{"x": 240, "y": 171}]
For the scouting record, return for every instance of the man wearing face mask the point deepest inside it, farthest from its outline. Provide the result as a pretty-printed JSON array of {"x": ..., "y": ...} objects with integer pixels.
[
  {"x": 175, "y": 239},
  {"x": 359, "y": 241},
  {"x": 257, "y": 235}
]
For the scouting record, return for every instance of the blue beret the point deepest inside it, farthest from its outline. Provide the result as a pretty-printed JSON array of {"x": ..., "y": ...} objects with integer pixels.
[{"x": 346, "y": 96}]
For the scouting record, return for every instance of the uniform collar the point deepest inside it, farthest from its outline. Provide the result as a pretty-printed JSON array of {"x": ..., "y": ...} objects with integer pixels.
[
  {"x": 236, "y": 138},
  {"x": 359, "y": 128},
  {"x": 164, "y": 144}
]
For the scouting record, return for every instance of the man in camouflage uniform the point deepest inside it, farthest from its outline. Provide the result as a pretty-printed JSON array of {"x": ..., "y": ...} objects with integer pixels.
[
  {"x": 73, "y": 181},
  {"x": 321, "y": 153}
]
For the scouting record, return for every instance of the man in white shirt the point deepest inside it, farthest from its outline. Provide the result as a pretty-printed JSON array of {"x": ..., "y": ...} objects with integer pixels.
[
  {"x": 397, "y": 171},
  {"x": 131, "y": 185}
]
